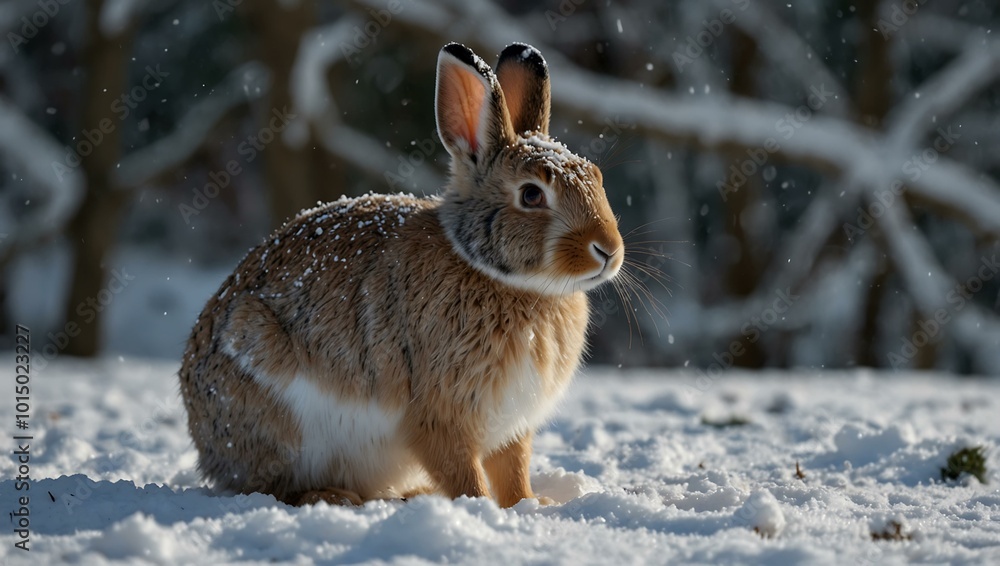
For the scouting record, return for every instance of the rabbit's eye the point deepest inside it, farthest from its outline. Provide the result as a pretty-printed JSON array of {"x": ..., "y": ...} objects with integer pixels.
[{"x": 532, "y": 196}]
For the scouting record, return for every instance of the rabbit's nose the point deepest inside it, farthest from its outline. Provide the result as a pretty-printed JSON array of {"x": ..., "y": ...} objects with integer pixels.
[
  {"x": 610, "y": 261},
  {"x": 600, "y": 253}
]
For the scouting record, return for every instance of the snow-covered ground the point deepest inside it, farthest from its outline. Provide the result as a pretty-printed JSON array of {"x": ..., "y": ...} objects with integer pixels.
[{"x": 637, "y": 474}]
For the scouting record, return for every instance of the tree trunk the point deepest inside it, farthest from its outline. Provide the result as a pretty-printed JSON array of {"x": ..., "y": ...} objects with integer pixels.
[
  {"x": 866, "y": 346},
  {"x": 296, "y": 177},
  {"x": 874, "y": 98},
  {"x": 873, "y": 93},
  {"x": 91, "y": 232},
  {"x": 743, "y": 275}
]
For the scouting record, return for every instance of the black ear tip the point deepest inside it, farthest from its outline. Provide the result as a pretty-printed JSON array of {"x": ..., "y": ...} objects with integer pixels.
[
  {"x": 468, "y": 57},
  {"x": 526, "y": 55},
  {"x": 460, "y": 52}
]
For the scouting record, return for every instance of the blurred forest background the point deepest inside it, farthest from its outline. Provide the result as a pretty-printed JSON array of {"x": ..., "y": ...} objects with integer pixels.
[{"x": 808, "y": 184}]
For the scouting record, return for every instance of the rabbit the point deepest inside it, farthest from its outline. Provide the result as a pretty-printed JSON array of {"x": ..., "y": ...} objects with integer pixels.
[{"x": 386, "y": 346}]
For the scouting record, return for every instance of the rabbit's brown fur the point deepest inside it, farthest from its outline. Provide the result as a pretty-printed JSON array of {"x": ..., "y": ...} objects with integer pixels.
[{"x": 390, "y": 345}]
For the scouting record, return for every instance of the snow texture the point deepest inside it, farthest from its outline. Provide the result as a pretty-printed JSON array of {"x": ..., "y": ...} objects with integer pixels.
[{"x": 644, "y": 467}]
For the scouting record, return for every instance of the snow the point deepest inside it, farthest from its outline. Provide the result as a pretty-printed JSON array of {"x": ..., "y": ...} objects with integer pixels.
[{"x": 641, "y": 466}]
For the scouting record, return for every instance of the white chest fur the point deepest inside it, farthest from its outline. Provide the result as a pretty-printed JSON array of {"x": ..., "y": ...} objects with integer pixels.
[
  {"x": 349, "y": 444},
  {"x": 523, "y": 405}
]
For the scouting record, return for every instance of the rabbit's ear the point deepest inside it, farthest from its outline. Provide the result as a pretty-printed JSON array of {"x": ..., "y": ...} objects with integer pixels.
[
  {"x": 471, "y": 114},
  {"x": 524, "y": 77}
]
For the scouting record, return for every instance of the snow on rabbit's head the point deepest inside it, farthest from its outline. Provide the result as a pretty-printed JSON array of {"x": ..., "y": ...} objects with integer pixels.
[{"x": 520, "y": 206}]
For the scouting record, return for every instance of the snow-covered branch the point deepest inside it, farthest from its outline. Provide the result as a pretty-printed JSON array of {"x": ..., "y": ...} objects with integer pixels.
[
  {"x": 941, "y": 95},
  {"x": 715, "y": 122},
  {"x": 914, "y": 259},
  {"x": 786, "y": 48},
  {"x": 377, "y": 160},
  {"x": 792, "y": 263},
  {"x": 941, "y": 32},
  {"x": 247, "y": 82},
  {"x": 726, "y": 123},
  {"x": 35, "y": 152},
  {"x": 932, "y": 289},
  {"x": 974, "y": 198},
  {"x": 321, "y": 48},
  {"x": 318, "y": 50}
]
